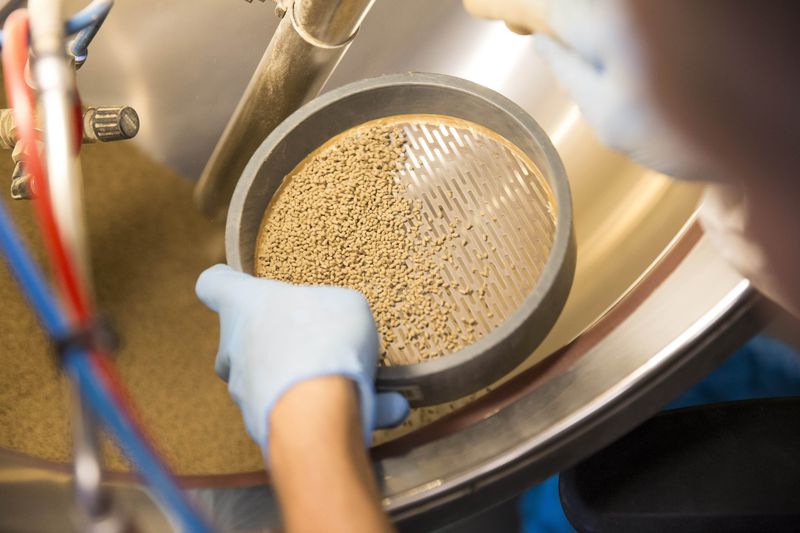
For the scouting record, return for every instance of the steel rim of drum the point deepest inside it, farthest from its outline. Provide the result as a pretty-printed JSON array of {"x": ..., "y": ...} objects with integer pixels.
[{"x": 480, "y": 364}]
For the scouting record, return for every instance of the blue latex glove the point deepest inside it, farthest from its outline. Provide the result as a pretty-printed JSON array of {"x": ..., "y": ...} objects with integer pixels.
[{"x": 274, "y": 335}]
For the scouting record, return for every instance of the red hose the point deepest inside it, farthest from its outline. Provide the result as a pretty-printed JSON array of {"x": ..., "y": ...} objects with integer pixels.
[{"x": 20, "y": 98}]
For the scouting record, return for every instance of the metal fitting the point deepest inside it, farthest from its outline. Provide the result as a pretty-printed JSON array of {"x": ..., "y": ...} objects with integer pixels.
[
  {"x": 21, "y": 186},
  {"x": 109, "y": 123},
  {"x": 8, "y": 129},
  {"x": 100, "y": 124}
]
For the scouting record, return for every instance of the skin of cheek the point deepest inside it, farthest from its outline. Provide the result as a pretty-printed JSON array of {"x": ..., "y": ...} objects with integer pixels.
[{"x": 774, "y": 221}]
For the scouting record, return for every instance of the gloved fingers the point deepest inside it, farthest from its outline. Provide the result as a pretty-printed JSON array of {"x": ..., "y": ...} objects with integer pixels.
[
  {"x": 586, "y": 85},
  {"x": 227, "y": 326},
  {"x": 585, "y": 26},
  {"x": 391, "y": 408},
  {"x": 580, "y": 24},
  {"x": 214, "y": 287},
  {"x": 514, "y": 12},
  {"x": 619, "y": 113},
  {"x": 579, "y": 77},
  {"x": 218, "y": 285},
  {"x": 521, "y": 16},
  {"x": 518, "y": 29}
]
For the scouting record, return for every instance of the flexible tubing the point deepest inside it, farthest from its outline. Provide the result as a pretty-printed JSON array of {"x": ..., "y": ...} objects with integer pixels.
[
  {"x": 20, "y": 98},
  {"x": 96, "y": 377},
  {"x": 98, "y": 383},
  {"x": 107, "y": 408},
  {"x": 30, "y": 279},
  {"x": 90, "y": 15}
]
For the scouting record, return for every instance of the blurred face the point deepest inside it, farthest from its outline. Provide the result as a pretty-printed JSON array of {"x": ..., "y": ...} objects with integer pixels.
[{"x": 725, "y": 73}]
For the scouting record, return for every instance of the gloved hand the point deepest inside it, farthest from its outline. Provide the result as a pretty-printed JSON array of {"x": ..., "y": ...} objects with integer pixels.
[
  {"x": 592, "y": 49},
  {"x": 274, "y": 335}
]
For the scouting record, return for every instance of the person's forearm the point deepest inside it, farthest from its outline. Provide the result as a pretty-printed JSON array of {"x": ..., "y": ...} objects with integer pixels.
[{"x": 318, "y": 462}]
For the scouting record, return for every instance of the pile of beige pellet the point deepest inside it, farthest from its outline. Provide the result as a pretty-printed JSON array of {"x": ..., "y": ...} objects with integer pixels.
[{"x": 343, "y": 218}]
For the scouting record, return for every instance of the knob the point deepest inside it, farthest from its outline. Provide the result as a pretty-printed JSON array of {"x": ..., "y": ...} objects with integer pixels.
[{"x": 105, "y": 124}]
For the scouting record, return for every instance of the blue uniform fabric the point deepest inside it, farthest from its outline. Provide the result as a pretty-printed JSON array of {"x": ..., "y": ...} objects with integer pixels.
[{"x": 762, "y": 368}]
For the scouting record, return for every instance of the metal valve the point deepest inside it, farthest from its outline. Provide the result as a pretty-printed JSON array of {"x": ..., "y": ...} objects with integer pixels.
[
  {"x": 100, "y": 124},
  {"x": 106, "y": 124}
]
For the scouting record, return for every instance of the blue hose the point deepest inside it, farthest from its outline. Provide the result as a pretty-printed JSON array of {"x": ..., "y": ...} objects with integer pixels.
[
  {"x": 96, "y": 13},
  {"x": 89, "y": 18},
  {"x": 90, "y": 15},
  {"x": 103, "y": 403},
  {"x": 30, "y": 279},
  {"x": 136, "y": 449}
]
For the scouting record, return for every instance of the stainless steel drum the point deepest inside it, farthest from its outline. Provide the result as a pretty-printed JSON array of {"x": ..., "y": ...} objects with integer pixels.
[
  {"x": 473, "y": 158},
  {"x": 652, "y": 307}
]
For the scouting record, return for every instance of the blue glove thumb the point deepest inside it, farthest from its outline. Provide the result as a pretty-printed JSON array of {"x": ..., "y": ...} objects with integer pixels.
[
  {"x": 391, "y": 408},
  {"x": 274, "y": 335}
]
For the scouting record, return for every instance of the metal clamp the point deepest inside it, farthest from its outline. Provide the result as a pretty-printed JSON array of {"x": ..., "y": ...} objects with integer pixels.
[
  {"x": 98, "y": 335},
  {"x": 313, "y": 41}
]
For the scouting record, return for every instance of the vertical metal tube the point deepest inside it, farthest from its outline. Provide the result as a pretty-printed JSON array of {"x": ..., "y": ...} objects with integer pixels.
[
  {"x": 87, "y": 468},
  {"x": 308, "y": 44},
  {"x": 97, "y": 513},
  {"x": 329, "y": 22},
  {"x": 55, "y": 81}
]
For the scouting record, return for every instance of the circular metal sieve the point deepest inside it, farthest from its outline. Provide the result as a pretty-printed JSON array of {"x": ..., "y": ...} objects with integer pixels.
[{"x": 473, "y": 161}]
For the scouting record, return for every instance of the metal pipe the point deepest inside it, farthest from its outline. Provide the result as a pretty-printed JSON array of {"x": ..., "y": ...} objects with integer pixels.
[
  {"x": 55, "y": 82},
  {"x": 98, "y": 514},
  {"x": 307, "y": 46},
  {"x": 100, "y": 124},
  {"x": 329, "y": 23},
  {"x": 86, "y": 465}
]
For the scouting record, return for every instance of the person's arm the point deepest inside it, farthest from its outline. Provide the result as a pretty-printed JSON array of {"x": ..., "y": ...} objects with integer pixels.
[
  {"x": 319, "y": 466},
  {"x": 300, "y": 362}
]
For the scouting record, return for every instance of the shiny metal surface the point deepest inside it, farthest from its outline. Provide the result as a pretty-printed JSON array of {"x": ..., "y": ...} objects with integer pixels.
[
  {"x": 329, "y": 23},
  {"x": 36, "y": 500},
  {"x": 638, "y": 367},
  {"x": 56, "y": 93},
  {"x": 548, "y": 219},
  {"x": 109, "y": 123},
  {"x": 635, "y": 334},
  {"x": 310, "y": 40},
  {"x": 87, "y": 470}
]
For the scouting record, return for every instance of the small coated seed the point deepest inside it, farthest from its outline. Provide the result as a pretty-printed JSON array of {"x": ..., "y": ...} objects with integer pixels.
[{"x": 343, "y": 218}]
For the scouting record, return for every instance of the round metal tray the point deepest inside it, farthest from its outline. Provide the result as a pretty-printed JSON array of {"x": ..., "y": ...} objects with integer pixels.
[{"x": 482, "y": 363}]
